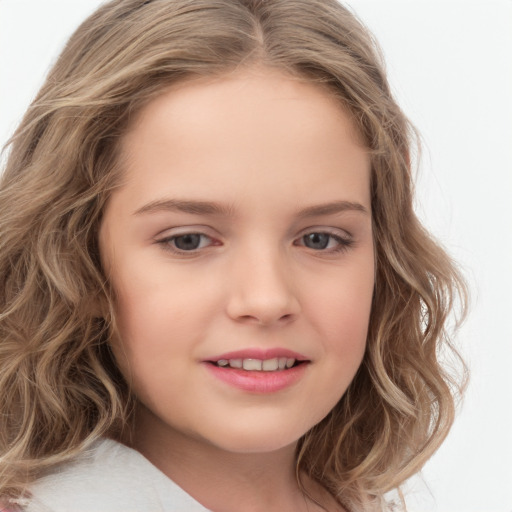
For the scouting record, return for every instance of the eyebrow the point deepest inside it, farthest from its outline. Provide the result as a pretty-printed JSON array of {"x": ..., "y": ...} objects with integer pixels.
[
  {"x": 185, "y": 206},
  {"x": 213, "y": 208},
  {"x": 331, "y": 209}
]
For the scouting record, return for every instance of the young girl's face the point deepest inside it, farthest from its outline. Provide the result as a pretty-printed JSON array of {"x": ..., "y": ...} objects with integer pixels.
[{"x": 240, "y": 244}]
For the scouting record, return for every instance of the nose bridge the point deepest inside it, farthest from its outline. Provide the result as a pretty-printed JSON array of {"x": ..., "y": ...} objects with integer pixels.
[{"x": 262, "y": 286}]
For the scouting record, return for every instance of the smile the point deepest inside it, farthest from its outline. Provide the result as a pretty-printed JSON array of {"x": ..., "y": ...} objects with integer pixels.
[
  {"x": 259, "y": 365},
  {"x": 259, "y": 371}
]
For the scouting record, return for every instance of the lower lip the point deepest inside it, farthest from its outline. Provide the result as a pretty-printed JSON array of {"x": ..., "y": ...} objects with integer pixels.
[{"x": 258, "y": 382}]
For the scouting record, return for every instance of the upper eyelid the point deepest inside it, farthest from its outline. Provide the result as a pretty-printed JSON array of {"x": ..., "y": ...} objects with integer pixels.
[
  {"x": 212, "y": 233},
  {"x": 334, "y": 231},
  {"x": 174, "y": 231},
  {"x": 202, "y": 230}
]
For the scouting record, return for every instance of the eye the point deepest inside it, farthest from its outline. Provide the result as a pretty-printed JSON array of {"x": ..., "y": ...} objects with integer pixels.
[
  {"x": 323, "y": 241},
  {"x": 187, "y": 242},
  {"x": 318, "y": 241}
]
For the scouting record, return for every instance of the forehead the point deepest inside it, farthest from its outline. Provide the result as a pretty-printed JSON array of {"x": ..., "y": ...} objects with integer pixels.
[
  {"x": 247, "y": 90},
  {"x": 243, "y": 132}
]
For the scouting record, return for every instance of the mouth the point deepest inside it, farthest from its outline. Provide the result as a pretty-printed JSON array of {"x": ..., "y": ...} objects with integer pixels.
[
  {"x": 259, "y": 371},
  {"x": 275, "y": 364},
  {"x": 259, "y": 360}
]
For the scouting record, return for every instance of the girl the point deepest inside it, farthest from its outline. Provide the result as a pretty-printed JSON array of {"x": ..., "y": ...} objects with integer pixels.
[{"x": 215, "y": 292}]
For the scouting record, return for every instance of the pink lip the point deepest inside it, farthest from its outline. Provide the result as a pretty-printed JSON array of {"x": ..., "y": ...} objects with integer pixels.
[
  {"x": 258, "y": 382},
  {"x": 258, "y": 353}
]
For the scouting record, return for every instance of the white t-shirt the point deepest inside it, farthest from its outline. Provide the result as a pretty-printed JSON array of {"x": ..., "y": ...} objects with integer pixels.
[{"x": 109, "y": 477}]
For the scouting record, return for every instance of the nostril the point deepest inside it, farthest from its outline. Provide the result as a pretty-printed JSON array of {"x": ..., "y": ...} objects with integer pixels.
[
  {"x": 266, "y": 306},
  {"x": 262, "y": 319}
]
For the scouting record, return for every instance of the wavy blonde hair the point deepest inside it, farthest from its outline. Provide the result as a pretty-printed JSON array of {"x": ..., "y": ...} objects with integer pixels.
[{"x": 60, "y": 389}]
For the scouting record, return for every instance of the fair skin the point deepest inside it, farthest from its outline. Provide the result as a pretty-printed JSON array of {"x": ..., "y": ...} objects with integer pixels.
[{"x": 242, "y": 231}]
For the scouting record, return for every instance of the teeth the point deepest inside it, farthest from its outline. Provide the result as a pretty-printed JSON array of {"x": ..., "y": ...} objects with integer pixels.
[
  {"x": 270, "y": 365},
  {"x": 253, "y": 364},
  {"x": 258, "y": 365}
]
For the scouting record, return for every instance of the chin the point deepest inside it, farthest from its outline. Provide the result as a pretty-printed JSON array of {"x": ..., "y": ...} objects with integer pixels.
[{"x": 255, "y": 439}]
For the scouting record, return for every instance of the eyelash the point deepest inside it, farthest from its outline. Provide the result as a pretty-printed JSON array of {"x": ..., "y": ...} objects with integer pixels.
[
  {"x": 167, "y": 243},
  {"x": 343, "y": 243}
]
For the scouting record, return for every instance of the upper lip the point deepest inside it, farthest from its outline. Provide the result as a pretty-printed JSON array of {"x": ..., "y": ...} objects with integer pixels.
[{"x": 258, "y": 353}]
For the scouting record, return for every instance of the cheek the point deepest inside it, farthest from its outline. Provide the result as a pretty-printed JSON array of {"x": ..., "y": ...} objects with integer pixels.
[
  {"x": 343, "y": 306},
  {"x": 161, "y": 315},
  {"x": 142, "y": 333},
  {"x": 340, "y": 315},
  {"x": 148, "y": 343},
  {"x": 150, "y": 299}
]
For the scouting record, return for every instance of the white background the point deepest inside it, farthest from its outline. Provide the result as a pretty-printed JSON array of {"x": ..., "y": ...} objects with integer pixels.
[{"x": 450, "y": 65}]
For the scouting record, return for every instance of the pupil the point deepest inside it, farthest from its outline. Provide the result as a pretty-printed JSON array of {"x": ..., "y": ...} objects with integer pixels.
[
  {"x": 187, "y": 242},
  {"x": 316, "y": 240}
]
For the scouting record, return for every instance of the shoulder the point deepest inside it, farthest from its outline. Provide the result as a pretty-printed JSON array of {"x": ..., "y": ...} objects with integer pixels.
[{"x": 109, "y": 477}]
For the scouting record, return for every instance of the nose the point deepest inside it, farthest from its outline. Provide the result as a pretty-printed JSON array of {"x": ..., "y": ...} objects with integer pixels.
[{"x": 263, "y": 290}]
